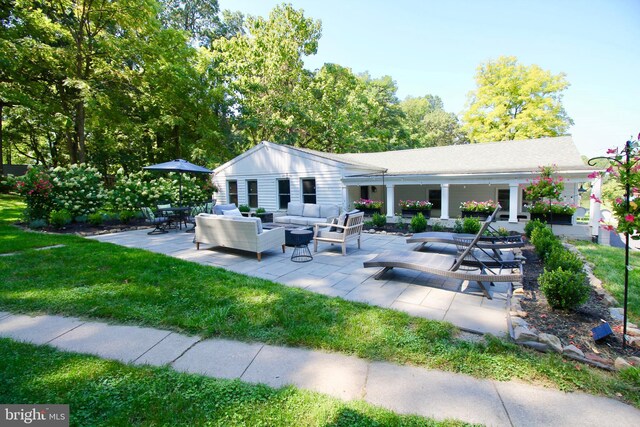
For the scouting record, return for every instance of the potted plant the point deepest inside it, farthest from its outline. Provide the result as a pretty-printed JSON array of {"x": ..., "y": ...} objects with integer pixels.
[
  {"x": 480, "y": 210},
  {"x": 413, "y": 207},
  {"x": 264, "y": 215},
  {"x": 369, "y": 207},
  {"x": 552, "y": 212}
]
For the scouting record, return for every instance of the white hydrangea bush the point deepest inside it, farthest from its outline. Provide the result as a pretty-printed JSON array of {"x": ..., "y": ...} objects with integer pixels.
[{"x": 78, "y": 188}]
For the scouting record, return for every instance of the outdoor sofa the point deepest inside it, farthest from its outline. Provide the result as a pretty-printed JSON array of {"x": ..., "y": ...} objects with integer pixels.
[
  {"x": 308, "y": 214},
  {"x": 237, "y": 232}
]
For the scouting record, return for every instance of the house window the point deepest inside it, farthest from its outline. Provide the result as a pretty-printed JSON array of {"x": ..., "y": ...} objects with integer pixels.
[
  {"x": 284, "y": 193},
  {"x": 252, "y": 193},
  {"x": 233, "y": 192},
  {"x": 364, "y": 192},
  {"x": 435, "y": 197},
  {"x": 504, "y": 198},
  {"x": 309, "y": 190}
]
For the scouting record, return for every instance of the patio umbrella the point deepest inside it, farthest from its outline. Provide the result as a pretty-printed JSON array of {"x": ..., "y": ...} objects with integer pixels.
[{"x": 180, "y": 166}]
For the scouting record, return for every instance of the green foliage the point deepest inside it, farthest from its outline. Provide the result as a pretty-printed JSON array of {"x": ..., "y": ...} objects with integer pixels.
[
  {"x": 126, "y": 216},
  {"x": 545, "y": 186},
  {"x": 60, "y": 218},
  {"x": 379, "y": 220},
  {"x": 78, "y": 189},
  {"x": 427, "y": 124},
  {"x": 457, "y": 226},
  {"x": 544, "y": 241},
  {"x": 560, "y": 257},
  {"x": 564, "y": 289},
  {"x": 81, "y": 219},
  {"x": 503, "y": 232},
  {"x": 244, "y": 208},
  {"x": 471, "y": 225},
  {"x": 530, "y": 226},
  {"x": 95, "y": 218},
  {"x": 437, "y": 226},
  {"x": 36, "y": 188},
  {"x": 37, "y": 224},
  {"x": 418, "y": 223},
  {"x": 513, "y": 101},
  {"x": 261, "y": 210}
]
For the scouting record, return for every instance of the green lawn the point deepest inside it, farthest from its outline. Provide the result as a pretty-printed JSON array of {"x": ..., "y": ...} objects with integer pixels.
[
  {"x": 107, "y": 393},
  {"x": 100, "y": 280},
  {"x": 609, "y": 267}
]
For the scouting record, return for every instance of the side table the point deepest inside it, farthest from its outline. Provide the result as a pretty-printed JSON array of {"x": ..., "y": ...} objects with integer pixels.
[{"x": 301, "y": 252}]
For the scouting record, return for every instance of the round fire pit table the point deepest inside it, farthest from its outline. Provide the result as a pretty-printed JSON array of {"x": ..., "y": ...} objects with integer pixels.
[{"x": 301, "y": 239}]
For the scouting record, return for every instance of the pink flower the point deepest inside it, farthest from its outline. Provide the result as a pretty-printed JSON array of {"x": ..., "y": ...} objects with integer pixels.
[
  {"x": 593, "y": 197},
  {"x": 619, "y": 201},
  {"x": 593, "y": 175},
  {"x": 612, "y": 150},
  {"x": 630, "y": 218},
  {"x": 610, "y": 169}
]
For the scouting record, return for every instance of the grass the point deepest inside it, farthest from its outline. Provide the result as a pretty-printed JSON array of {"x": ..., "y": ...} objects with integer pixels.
[
  {"x": 87, "y": 278},
  {"x": 107, "y": 393},
  {"x": 609, "y": 267}
]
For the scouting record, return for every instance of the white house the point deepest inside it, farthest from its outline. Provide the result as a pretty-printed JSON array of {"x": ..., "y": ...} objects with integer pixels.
[{"x": 270, "y": 175}]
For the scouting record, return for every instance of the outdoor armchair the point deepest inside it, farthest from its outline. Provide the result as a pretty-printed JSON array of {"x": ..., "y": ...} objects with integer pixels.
[
  {"x": 160, "y": 222},
  {"x": 350, "y": 229}
]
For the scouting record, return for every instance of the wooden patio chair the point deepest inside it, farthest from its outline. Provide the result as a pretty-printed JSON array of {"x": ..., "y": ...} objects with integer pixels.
[{"x": 350, "y": 229}]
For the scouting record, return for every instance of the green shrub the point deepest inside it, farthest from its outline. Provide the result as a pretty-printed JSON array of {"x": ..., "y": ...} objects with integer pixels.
[
  {"x": 532, "y": 225},
  {"x": 126, "y": 216},
  {"x": 37, "y": 224},
  {"x": 471, "y": 225},
  {"x": 503, "y": 232},
  {"x": 77, "y": 188},
  {"x": 368, "y": 223},
  {"x": 418, "y": 223},
  {"x": 544, "y": 241},
  {"x": 261, "y": 210},
  {"x": 560, "y": 257},
  {"x": 437, "y": 226},
  {"x": 81, "y": 219},
  {"x": 379, "y": 220},
  {"x": 244, "y": 208},
  {"x": 96, "y": 218},
  {"x": 37, "y": 189},
  {"x": 457, "y": 227},
  {"x": 60, "y": 218},
  {"x": 564, "y": 289}
]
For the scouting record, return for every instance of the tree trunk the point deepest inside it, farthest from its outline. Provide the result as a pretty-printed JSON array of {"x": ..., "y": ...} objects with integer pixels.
[
  {"x": 80, "y": 136},
  {"x": 1, "y": 146}
]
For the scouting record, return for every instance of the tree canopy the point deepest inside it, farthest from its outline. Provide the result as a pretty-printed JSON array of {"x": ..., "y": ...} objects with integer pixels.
[{"x": 514, "y": 101}]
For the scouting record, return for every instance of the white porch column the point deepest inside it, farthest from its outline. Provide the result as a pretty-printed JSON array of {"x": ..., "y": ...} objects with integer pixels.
[
  {"x": 513, "y": 202},
  {"x": 444, "y": 201},
  {"x": 345, "y": 198},
  {"x": 594, "y": 206},
  {"x": 391, "y": 200}
]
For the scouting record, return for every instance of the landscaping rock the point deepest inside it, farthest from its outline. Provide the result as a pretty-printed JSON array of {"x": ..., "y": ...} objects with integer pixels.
[
  {"x": 620, "y": 363},
  {"x": 518, "y": 321},
  {"x": 635, "y": 361},
  {"x": 633, "y": 331},
  {"x": 572, "y": 350},
  {"x": 523, "y": 334},
  {"x": 537, "y": 346},
  {"x": 518, "y": 291},
  {"x": 598, "y": 359},
  {"x": 610, "y": 300},
  {"x": 616, "y": 313},
  {"x": 633, "y": 342},
  {"x": 552, "y": 341}
]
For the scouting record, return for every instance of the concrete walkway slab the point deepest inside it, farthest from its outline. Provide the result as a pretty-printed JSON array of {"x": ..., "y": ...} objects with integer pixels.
[
  {"x": 412, "y": 390},
  {"x": 123, "y": 343},
  {"x": 218, "y": 358},
  {"x": 36, "y": 330},
  {"x": 334, "y": 374},
  {"x": 167, "y": 350},
  {"x": 536, "y": 406},
  {"x": 4, "y": 314}
]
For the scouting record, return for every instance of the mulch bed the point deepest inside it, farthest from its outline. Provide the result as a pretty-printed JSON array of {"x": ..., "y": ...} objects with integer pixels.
[
  {"x": 572, "y": 327},
  {"x": 86, "y": 229}
]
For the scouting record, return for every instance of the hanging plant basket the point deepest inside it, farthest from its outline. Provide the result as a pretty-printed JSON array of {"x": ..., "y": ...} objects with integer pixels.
[{"x": 556, "y": 219}]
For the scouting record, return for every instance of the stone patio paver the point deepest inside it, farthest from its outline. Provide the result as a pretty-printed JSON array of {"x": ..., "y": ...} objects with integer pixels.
[
  {"x": 218, "y": 358},
  {"x": 36, "y": 330},
  {"x": 166, "y": 351}
]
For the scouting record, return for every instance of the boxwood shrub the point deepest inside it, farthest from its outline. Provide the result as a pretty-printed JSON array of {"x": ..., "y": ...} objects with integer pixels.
[{"x": 564, "y": 289}]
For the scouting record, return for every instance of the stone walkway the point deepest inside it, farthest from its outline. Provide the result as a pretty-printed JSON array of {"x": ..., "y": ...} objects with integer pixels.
[
  {"x": 403, "y": 389},
  {"x": 330, "y": 273}
]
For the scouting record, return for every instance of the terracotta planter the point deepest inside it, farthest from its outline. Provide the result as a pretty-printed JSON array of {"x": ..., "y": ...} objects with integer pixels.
[
  {"x": 557, "y": 219},
  {"x": 482, "y": 216},
  {"x": 410, "y": 213}
]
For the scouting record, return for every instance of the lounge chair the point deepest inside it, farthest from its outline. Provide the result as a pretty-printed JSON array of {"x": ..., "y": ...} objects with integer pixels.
[{"x": 466, "y": 265}]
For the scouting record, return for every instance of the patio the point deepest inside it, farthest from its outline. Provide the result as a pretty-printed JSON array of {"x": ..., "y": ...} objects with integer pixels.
[{"x": 332, "y": 274}]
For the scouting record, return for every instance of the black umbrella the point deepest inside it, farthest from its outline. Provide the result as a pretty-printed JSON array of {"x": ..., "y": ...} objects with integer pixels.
[{"x": 180, "y": 166}]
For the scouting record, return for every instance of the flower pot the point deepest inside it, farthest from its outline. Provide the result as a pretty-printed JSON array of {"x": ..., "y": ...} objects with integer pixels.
[
  {"x": 410, "y": 213},
  {"x": 369, "y": 211},
  {"x": 482, "y": 216},
  {"x": 557, "y": 219}
]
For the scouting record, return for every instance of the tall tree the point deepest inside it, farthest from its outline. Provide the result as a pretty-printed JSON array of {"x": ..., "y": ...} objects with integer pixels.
[
  {"x": 428, "y": 124},
  {"x": 514, "y": 101}
]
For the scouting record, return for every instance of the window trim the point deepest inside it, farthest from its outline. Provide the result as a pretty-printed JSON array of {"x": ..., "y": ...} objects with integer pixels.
[
  {"x": 231, "y": 194},
  {"x": 249, "y": 194},
  {"x": 315, "y": 190},
  {"x": 278, "y": 180}
]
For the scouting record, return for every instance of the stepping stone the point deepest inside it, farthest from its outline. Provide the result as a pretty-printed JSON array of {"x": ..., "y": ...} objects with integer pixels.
[
  {"x": 167, "y": 350},
  {"x": 218, "y": 358},
  {"x": 36, "y": 330}
]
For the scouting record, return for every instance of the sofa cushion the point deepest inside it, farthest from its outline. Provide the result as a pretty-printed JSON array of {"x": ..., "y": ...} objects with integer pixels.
[
  {"x": 286, "y": 219},
  {"x": 299, "y": 220},
  {"x": 324, "y": 234},
  {"x": 329, "y": 211},
  {"x": 218, "y": 209},
  {"x": 232, "y": 212},
  {"x": 311, "y": 210},
  {"x": 258, "y": 221},
  {"x": 295, "y": 209}
]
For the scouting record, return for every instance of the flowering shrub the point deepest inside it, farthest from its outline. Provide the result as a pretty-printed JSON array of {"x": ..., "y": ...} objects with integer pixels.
[
  {"x": 77, "y": 189},
  {"x": 36, "y": 187},
  {"x": 420, "y": 205},
  {"x": 367, "y": 204},
  {"x": 552, "y": 207},
  {"x": 546, "y": 186},
  {"x": 482, "y": 207}
]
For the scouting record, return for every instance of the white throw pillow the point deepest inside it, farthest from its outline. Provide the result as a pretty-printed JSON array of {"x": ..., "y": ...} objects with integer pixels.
[{"x": 232, "y": 212}]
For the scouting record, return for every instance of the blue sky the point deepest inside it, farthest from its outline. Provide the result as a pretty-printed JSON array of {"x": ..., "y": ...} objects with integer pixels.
[{"x": 435, "y": 47}]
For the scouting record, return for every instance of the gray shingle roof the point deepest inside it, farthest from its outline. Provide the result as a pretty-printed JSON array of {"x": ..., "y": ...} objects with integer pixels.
[{"x": 506, "y": 156}]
